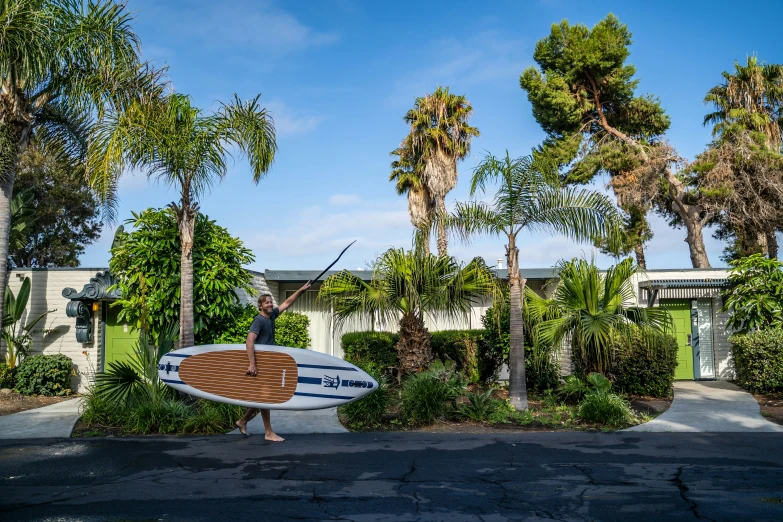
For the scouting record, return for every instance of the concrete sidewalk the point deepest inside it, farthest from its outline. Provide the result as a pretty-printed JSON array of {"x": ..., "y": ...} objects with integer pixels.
[
  {"x": 286, "y": 422},
  {"x": 55, "y": 420},
  {"x": 714, "y": 406}
]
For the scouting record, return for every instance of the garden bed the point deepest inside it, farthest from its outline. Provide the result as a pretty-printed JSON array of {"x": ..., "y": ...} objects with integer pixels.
[
  {"x": 16, "y": 402},
  {"x": 771, "y": 406}
]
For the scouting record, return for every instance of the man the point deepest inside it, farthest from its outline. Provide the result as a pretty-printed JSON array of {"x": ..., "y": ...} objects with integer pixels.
[{"x": 262, "y": 331}]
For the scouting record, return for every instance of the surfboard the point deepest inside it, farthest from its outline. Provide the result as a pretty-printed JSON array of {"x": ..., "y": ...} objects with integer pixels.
[{"x": 288, "y": 378}]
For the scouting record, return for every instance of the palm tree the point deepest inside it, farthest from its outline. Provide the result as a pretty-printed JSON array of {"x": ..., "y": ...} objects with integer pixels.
[
  {"x": 439, "y": 137},
  {"x": 174, "y": 142},
  {"x": 529, "y": 198},
  {"x": 407, "y": 172},
  {"x": 62, "y": 63},
  {"x": 750, "y": 99},
  {"x": 592, "y": 308},
  {"x": 407, "y": 287}
]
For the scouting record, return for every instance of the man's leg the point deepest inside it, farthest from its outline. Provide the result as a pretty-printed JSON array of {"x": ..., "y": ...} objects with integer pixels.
[
  {"x": 247, "y": 417},
  {"x": 269, "y": 433}
]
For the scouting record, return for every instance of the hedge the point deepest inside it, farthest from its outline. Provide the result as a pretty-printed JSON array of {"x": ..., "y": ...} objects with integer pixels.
[
  {"x": 44, "y": 375},
  {"x": 758, "y": 358},
  {"x": 461, "y": 346},
  {"x": 644, "y": 368},
  {"x": 371, "y": 351}
]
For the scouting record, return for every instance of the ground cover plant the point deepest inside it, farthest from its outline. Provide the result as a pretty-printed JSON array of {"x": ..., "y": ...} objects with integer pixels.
[{"x": 129, "y": 398}]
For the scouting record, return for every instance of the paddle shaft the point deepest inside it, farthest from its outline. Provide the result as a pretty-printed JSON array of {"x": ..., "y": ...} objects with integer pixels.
[{"x": 333, "y": 262}]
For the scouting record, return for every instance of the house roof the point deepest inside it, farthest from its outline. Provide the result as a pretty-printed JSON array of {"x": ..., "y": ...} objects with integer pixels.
[{"x": 293, "y": 276}]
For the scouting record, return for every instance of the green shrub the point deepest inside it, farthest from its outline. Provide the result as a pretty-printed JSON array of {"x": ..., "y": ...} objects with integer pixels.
[
  {"x": 211, "y": 418},
  {"x": 97, "y": 410},
  {"x": 368, "y": 411},
  {"x": 44, "y": 375},
  {"x": 462, "y": 347},
  {"x": 371, "y": 351},
  {"x": 424, "y": 398},
  {"x": 605, "y": 408},
  {"x": 234, "y": 330},
  {"x": 6, "y": 376},
  {"x": 578, "y": 388},
  {"x": 480, "y": 406},
  {"x": 158, "y": 416},
  {"x": 291, "y": 330},
  {"x": 758, "y": 358},
  {"x": 641, "y": 368}
]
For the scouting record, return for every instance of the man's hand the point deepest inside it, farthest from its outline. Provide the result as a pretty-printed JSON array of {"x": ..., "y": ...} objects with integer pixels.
[
  {"x": 251, "y": 370},
  {"x": 307, "y": 285}
]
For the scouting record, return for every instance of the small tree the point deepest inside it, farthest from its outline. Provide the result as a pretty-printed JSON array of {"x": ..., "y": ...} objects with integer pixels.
[
  {"x": 17, "y": 333},
  {"x": 146, "y": 261},
  {"x": 755, "y": 300}
]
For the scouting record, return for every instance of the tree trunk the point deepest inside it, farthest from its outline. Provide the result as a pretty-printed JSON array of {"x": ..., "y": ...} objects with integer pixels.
[
  {"x": 772, "y": 244},
  {"x": 695, "y": 240},
  {"x": 6, "y": 195},
  {"x": 641, "y": 261},
  {"x": 442, "y": 239},
  {"x": 186, "y": 220},
  {"x": 414, "y": 349},
  {"x": 691, "y": 217},
  {"x": 517, "y": 382}
]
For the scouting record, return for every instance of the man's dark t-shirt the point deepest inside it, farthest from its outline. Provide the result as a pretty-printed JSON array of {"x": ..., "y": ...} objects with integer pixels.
[{"x": 264, "y": 327}]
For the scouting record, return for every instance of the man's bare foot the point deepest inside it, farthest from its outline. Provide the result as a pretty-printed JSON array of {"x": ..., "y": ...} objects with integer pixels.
[
  {"x": 273, "y": 437},
  {"x": 242, "y": 428}
]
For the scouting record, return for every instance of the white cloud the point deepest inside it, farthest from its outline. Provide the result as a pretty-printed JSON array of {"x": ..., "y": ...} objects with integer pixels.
[
  {"x": 343, "y": 200},
  {"x": 252, "y": 24},
  {"x": 290, "y": 122}
]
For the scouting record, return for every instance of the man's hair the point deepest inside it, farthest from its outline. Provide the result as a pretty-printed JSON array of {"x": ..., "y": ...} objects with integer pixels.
[{"x": 262, "y": 298}]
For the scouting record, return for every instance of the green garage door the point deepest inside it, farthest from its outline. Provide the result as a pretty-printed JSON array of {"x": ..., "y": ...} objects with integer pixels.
[
  {"x": 120, "y": 338},
  {"x": 681, "y": 315}
]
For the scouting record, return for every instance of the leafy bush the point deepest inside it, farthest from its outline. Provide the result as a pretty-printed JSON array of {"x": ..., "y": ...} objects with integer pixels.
[
  {"x": 371, "y": 351},
  {"x": 368, "y": 411},
  {"x": 6, "y": 376},
  {"x": 755, "y": 300},
  {"x": 291, "y": 330},
  {"x": 44, "y": 375},
  {"x": 578, "y": 388},
  {"x": 758, "y": 357},
  {"x": 158, "y": 416},
  {"x": 462, "y": 347},
  {"x": 480, "y": 406},
  {"x": 146, "y": 262},
  {"x": 602, "y": 407},
  {"x": 644, "y": 368},
  {"x": 424, "y": 398},
  {"x": 211, "y": 418},
  {"x": 235, "y": 330}
]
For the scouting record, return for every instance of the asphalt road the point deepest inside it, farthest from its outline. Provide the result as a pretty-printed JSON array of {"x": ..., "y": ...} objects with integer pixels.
[{"x": 397, "y": 477}]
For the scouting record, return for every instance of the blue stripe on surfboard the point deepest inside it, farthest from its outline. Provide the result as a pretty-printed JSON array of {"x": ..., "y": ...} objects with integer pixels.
[
  {"x": 320, "y": 396},
  {"x": 309, "y": 380},
  {"x": 172, "y": 382},
  {"x": 176, "y": 355},
  {"x": 347, "y": 369}
]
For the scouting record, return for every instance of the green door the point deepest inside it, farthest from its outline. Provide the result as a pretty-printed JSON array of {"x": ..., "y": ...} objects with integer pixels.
[
  {"x": 120, "y": 337},
  {"x": 681, "y": 315}
]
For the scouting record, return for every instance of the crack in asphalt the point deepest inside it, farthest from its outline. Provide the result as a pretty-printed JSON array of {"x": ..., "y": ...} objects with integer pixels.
[{"x": 677, "y": 481}]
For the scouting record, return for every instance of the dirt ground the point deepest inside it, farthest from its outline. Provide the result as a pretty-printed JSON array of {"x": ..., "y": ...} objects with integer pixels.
[
  {"x": 771, "y": 407},
  {"x": 14, "y": 402}
]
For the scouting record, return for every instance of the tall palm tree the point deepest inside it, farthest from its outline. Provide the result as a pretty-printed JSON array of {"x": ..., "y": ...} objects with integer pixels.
[
  {"x": 440, "y": 136},
  {"x": 408, "y": 173},
  {"x": 592, "y": 308},
  {"x": 178, "y": 144},
  {"x": 62, "y": 63},
  {"x": 407, "y": 287},
  {"x": 749, "y": 99},
  {"x": 529, "y": 198}
]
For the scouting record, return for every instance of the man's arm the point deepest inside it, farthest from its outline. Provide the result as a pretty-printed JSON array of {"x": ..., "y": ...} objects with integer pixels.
[
  {"x": 288, "y": 302},
  {"x": 251, "y": 353}
]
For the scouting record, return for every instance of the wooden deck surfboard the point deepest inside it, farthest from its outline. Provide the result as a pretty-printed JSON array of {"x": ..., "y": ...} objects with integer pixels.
[{"x": 288, "y": 378}]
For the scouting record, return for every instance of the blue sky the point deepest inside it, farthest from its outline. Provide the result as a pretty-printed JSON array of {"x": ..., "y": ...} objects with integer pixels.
[{"x": 338, "y": 76}]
